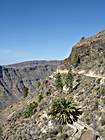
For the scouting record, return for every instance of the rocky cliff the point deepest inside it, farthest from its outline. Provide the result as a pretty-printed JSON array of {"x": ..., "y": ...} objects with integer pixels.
[
  {"x": 14, "y": 78},
  {"x": 29, "y": 118},
  {"x": 89, "y": 52}
]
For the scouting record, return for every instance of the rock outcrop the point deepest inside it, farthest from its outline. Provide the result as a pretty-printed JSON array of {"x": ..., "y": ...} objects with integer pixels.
[
  {"x": 88, "y": 135},
  {"x": 88, "y": 53}
]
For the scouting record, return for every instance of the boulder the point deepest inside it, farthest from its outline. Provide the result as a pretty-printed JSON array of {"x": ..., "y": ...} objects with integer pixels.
[{"x": 88, "y": 135}]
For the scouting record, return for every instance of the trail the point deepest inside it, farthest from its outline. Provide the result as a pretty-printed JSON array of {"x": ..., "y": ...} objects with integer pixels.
[
  {"x": 90, "y": 74},
  {"x": 80, "y": 127},
  {"x": 83, "y": 72}
]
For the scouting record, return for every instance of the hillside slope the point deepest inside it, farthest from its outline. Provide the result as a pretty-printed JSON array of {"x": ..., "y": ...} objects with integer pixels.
[{"x": 14, "y": 78}]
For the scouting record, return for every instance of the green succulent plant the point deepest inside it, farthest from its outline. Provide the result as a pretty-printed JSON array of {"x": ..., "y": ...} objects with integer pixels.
[{"x": 65, "y": 111}]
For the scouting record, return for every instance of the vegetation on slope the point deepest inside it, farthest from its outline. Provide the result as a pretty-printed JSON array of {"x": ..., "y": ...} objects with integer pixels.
[{"x": 65, "y": 111}]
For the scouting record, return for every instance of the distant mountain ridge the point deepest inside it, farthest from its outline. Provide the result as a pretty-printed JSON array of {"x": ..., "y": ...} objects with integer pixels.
[
  {"x": 14, "y": 78},
  {"x": 33, "y": 62}
]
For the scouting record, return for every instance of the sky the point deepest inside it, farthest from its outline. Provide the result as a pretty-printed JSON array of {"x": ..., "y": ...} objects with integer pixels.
[{"x": 46, "y": 29}]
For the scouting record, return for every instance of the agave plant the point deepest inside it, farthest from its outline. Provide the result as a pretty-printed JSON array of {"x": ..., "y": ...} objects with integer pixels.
[{"x": 64, "y": 111}]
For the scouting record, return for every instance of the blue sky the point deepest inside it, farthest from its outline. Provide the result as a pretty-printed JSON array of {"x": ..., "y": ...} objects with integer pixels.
[{"x": 46, "y": 29}]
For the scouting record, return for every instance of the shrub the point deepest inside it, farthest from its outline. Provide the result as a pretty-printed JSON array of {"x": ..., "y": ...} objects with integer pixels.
[
  {"x": 25, "y": 92},
  {"x": 18, "y": 114},
  {"x": 48, "y": 92},
  {"x": 1, "y": 132},
  {"x": 38, "y": 84},
  {"x": 102, "y": 91},
  {"x": 58, "y": 82},
  {"x": 40, "y": 97},
  {"x": 104, "y": 54},
  {"x": 98, "y": 81},
  {"x": 75, "y": 62},
  {"x": 64, "y": 111},
  {"x": 82, "y": 38},
  {"x": 69, "y": 80},
  {"x": 31, "y": 109}
]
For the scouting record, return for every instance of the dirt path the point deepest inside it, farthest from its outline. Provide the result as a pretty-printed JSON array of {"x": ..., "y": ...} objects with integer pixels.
[
  {"x": 83, "y": 72},
  {"x": 89, "y": 74}
]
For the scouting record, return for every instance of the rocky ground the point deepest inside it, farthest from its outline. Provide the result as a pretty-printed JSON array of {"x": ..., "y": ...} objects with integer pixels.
[{"x": 87, "y": 94}]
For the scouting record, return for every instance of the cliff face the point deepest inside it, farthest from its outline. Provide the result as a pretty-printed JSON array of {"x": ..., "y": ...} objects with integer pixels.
[
  {"x": 88, "y": 49},
  {"x": 14, "y": 78}
]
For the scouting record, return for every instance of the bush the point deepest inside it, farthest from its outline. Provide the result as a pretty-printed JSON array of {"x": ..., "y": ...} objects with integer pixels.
[
  {"x": 38, "y": 84},
  {"x": 69, "y": 80},
  {"x": 1, "y": 131},
  {"x": 64, "y": 111},
  {"x": 31, "y": 109},
  {"x": 58, "y": 82},
  {"x": 25, "y": 92},
  {"x": 75, "y": 62},
  {"x": 82, "y": 38},
  {"x": 40, "y": 97},
  {"x": 104, "y": 54},
  {"x": 98, "y": 81},
  {"x": 102, "y": 91},
  {"x": 48, "y": 92}
]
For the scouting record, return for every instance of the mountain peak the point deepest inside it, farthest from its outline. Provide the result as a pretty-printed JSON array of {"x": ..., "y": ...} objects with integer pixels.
[{"x": 88, "y": 48}]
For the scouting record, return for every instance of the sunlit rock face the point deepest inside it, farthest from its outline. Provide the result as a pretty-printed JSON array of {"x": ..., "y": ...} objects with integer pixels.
[{"x": 87, "y": 50}]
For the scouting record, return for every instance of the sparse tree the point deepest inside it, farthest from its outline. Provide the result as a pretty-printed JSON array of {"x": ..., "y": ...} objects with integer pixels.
[
  {"x": 69, "y": 80},
  {"x": 82, "y": 38}
]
